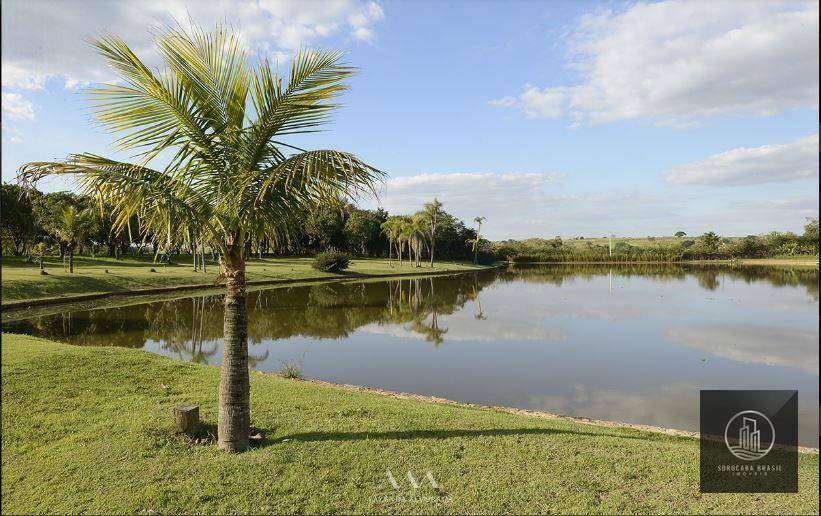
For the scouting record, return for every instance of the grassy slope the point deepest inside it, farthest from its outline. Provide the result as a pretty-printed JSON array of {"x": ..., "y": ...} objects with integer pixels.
[
  {"x": 88, "y": 429},
  {"x": 22, "y": 280}
]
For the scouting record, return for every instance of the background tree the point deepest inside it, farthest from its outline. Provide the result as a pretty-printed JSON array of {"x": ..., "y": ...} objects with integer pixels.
[
  {"x": 17, "y": 222},
  {"x": 431, "y": 214},
  {"x": 709, "y": 243},
  {"x": 680, "y": 234},
  {"x": 230, "y": 172},
  {"x": 39, "y": 251},
  {"x": 417, "y": 228},
  {"x": 325, "y": 228},
  {"x": 47, "y": 209},
  {"x": 810, "y": 238},
  {"x": 392, "y": 228},
  {"x": 363, "y": 231},
  {"x": 478, "y": 221},
  {"x": 71, "y": 228}
]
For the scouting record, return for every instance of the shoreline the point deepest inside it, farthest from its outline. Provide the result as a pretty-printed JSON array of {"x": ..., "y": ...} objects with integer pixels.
[
  {"x": 14, "y": 306},
  {"x": 512, "y": 410},
  {"x": 743, "y": 261},
  {"x": 78, "y": 298}
]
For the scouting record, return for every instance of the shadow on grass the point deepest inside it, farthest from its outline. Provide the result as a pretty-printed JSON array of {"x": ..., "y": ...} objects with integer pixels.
[{"x": 439, "y": 434}]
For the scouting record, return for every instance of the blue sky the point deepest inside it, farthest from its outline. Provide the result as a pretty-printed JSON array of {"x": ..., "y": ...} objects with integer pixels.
[{"x": 549, "y": 118}]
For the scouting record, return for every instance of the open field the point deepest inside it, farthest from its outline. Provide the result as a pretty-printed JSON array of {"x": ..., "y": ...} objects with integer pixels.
[
  {"x": 89, "y": 430},
  {"x": 22, "y": 280}
]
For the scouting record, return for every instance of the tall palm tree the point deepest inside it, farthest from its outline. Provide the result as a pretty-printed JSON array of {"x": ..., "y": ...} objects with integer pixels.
[
  {"x": 404, "y": 232},
  {"x": 478, "y": 221},
  {"x": 432, "y": 212},
  {"x": 231, "y": 177},
  {"x": 392, "y": 228},
  {"x": 416, "y": 231}
]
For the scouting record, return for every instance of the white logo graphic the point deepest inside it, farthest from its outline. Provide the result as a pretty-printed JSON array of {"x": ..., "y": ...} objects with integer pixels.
[
  {"x": 748, "y": 444},
  {"x": 413, "y": 480}
]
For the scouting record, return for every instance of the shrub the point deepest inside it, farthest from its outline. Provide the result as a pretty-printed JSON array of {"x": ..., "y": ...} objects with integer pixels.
[
  {"x": 290, "y": 371},
  {"x": 331, "y": 261}
]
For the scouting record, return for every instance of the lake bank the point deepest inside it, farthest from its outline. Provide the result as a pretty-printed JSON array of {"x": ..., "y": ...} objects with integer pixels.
[
  {"x": 631, "y": 343},
  {"x": 96, "y": 437},
  {"x": 98, "y": 278},
  {"x": 743, "y": 261},
  {"x": 519, "y": 411}
]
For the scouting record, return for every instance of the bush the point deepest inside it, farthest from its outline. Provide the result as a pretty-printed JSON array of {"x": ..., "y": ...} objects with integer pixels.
[
  {"x": 331, "y": 261},
  {"x": 290, "y": 371}
]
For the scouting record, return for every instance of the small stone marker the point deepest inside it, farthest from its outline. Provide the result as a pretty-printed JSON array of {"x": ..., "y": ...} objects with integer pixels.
[{"x": 187, "y": 419}]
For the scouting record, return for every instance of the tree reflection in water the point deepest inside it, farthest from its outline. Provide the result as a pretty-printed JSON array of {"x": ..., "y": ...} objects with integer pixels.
[{"x": 191, "y": 328}]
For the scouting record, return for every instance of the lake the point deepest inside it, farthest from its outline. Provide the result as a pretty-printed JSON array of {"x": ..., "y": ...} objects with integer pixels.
[{"x": 631, "y": 343}]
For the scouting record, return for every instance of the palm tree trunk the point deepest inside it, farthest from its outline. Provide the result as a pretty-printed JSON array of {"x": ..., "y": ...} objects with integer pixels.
[
  {"x": 71, "y": 260},
  {"x": 234, "y": 405},
  {"x": 432, "y": 242}
]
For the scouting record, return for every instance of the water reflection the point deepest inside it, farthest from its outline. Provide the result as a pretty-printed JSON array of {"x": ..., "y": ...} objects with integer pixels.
[
  {"x": 191, "y": 328},
  {"x": 630, "y": 342},
  {"x": 753, "y": 343}
]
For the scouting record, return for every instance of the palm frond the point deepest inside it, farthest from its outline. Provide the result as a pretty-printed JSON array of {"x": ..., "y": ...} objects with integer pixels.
[
  {"x": 300, "y": 106},
  {"x": 155, "y": 198}
]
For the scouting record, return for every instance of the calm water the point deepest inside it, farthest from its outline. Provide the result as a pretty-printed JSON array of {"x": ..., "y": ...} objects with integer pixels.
[{"x": 624, "y": 343}]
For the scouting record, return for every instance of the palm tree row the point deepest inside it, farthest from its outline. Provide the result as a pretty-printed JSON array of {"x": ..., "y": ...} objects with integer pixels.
[
  {"x": 408, "y": 233},
  {"x": 418, "y": 233}
]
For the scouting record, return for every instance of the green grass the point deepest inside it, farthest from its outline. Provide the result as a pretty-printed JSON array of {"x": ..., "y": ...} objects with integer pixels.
[
  {"x": 22, "y": 280},
  {"x": 89, "y": 430}
]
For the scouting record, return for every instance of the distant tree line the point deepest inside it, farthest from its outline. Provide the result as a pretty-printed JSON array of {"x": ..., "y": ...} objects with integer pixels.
[
  {"x": 38, "y": 224},
  {"x": 708, "y": 246}
]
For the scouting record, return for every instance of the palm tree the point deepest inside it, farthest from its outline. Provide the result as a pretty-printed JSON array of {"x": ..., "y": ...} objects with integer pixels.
[
  {"x": 392, "y": 228},
  {"x": 432, "y": 212},
  {"x": 477, "y": 220},
  {"x": 231, "y": 177},
  {"x": 39, "y": 251},
  {"x": 416, "y": 233},
  {"x": 404, "y": 232},
  {"x": 71, "y": 227}
]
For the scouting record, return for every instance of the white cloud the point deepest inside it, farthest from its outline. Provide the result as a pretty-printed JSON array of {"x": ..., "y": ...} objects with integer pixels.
[
  {"x": 15, "y": 106},
  {"x": 465, "y": 190},
  {"x": 806, "y": 205},
  {"x": 677, "y": 62},
  {"x": 44, "y": 40},
  {"x": 522, "y": 205},
  {"x": 11, "y": 134},
  {"x": 753, "y": 165},
  {"x": 752, "y": 344}
]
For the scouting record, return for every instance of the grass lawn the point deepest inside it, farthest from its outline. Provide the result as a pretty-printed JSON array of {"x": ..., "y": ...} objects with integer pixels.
[
  {"x": 22, "y": 280},
  {"x": 89, "y": 430}
]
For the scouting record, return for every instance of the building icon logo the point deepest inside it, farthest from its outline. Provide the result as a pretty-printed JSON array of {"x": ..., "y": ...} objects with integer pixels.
[{"x": 749, "y": 435}]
